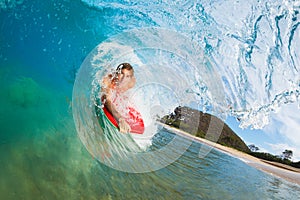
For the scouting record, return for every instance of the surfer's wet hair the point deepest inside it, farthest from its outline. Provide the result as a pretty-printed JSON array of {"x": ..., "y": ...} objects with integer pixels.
[{"x": 123, "y": 66}]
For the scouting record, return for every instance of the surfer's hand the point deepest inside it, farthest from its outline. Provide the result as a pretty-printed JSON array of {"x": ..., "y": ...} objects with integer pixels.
[{"x": 124, "y": 126}]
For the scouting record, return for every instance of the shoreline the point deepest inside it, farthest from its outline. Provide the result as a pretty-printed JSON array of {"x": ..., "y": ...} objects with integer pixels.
[{"x": 279, "y": 170}]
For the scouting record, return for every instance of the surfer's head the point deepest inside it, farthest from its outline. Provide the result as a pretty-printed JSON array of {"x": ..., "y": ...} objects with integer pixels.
[
  {"x": 123, "y": 66},
  {"x": 124, "y": 77}
]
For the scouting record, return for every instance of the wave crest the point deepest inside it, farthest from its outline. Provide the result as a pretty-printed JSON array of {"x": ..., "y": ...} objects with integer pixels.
[{"x": 255, "y": 48}]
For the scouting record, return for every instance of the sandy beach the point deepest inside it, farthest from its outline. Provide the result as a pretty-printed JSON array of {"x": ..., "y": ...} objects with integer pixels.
[{"x": 276, "y": 169}]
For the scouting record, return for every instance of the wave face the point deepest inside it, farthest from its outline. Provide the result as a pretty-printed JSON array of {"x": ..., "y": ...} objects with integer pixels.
[
  {"x": 254, "y": 46},
  {"x": 169, "y": 74}
]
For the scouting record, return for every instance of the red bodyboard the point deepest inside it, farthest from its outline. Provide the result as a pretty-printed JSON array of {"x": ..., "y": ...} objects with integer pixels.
[{"x": 134, "y": 119}]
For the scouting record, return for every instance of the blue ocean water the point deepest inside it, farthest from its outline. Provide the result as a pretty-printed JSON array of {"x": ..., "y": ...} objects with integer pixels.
[{"x": 44, "y": 43}]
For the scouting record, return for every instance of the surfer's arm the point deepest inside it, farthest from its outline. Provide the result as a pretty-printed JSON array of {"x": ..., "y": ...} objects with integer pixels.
[
  {"x": 107, "y": 101},
  {"x": 123, "y": 125},
  {"x": 111, "y": 107}
]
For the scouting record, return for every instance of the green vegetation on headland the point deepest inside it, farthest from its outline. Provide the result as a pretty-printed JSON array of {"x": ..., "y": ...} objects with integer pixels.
[
  {"x": 275, "y": 158},
  {"x": 200, "y": 124}
]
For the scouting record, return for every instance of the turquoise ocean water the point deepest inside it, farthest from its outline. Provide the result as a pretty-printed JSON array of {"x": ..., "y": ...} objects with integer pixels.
[{"x": 43, "y": 44}]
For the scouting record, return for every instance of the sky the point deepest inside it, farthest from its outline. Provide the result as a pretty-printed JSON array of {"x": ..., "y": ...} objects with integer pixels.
[{"x": 283, "y": 132}]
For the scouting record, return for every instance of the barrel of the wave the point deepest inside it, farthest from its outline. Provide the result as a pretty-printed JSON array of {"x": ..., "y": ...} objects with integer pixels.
[{"x": 133, "y": 118}]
